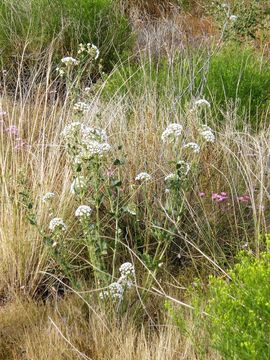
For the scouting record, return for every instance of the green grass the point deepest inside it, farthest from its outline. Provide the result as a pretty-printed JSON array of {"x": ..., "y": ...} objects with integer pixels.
[
  {"x": 240, "y": 78},
  {"x": 233, "y": 79},
  {"x": 28, "y": 27}
]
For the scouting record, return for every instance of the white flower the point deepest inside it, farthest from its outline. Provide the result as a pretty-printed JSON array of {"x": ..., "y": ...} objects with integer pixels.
[
  {"x": 208, "y": 134},
  {"x": 143, "y": 176},
  {"x": 127, "y": 277},
  {"x": 95, "y": 148},
  {"x": 201, "y": 103},
  {"x": 172, "y": 132},
  {"x": 183, "y": 168},
  {"x": 69, "y": 61},
  {"x": 81, "y": 106},
  {"x": 233, "y": 17},
  {"x": 115, "y": 291},
  {"x": 90, "y": 133},
  {"x": 84, "y": 141},
  {"x": 83, "y": 211},
  {"x": 193, "y": 146},
  {"x": 78, "y": 185},
  {"x": 71, "y": 131},
  {"x": 95, "y": 48},
  {"x": 171, "y": 177},
  {"x": 89, "y": 48},
  {"x": 127, "y": 269},
  {"x": 48, "y": 196},
  {"x": 57, "y": 223},
  {"x": 60, "y": 71}
]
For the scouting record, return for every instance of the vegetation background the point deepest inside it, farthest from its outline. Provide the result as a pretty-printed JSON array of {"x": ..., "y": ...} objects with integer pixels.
[{"x": 190, "y": 217}]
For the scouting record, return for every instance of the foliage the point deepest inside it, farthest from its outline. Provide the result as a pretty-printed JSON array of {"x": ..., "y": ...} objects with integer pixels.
[
  {"x": 240, "y": 310},
  {"x": 241, "y": 20}
]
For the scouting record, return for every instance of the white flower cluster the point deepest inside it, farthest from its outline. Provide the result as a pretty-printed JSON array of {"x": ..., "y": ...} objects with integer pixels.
[
  {"x": 85, "y": 141},
  {"x": 48, "y": 196},
  {"x": 83, "y": 211},
  {"x": 171, "y": 177},
  {"x": 90, "y": 49},
  {"x": 208, "y": 134},
  {"x": 143, "y": 176},
  {"x": 127, "y": 277},
  {"x": 172, "y": 132},
  {"x": 69, "y": 61},
  {"x": 79, "y": 184},
  {"x": 57, "y": 224},
  {"x": 71, "y": 131},
  {"x": 193, "y": 146},
  {"x": 116, "y": 290},
  {"x": 202, "y": 103},
  {"x": 81, "y": 106}
]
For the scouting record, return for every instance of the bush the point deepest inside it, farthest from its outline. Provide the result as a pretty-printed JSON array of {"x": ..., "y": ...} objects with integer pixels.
[
  {"x": 240, "y": 310},
  {"x": 29, "y": 26}
]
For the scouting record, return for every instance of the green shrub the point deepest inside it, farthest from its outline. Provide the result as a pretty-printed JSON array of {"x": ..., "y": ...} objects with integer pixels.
[
  {"x": 240, "y": 310},
  {"x": 67, "y": 23}
]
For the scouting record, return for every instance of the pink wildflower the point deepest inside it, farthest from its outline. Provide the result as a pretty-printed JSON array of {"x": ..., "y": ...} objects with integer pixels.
[
  {"x": 201, "y": 194},
  {"x": 220, "y": 197},
  {"x": 244, "y": 198},
  {"x": 215, "y": 196}
]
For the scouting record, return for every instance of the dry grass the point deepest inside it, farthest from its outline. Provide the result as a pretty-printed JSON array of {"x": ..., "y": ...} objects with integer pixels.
[
  {"x": 68, "y": 331},
  {"x": 236, "y": 163},
  {"x": 77, "y": 327}
]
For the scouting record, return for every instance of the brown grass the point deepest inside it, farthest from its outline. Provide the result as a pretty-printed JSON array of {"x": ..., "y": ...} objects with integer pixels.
[{"x": 67, "y": 331}]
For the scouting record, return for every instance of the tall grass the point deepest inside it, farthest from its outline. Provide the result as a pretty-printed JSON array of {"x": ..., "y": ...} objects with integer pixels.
[
  {"x": 170, "y": 232},
  {"x": 30, "y": 27}
]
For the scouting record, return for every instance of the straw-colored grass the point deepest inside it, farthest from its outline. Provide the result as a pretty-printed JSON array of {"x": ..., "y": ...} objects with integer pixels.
[{"x": 42, "y": 316}]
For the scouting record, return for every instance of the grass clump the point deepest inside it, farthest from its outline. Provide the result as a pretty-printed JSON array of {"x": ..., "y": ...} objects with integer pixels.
[{"x": 241, "y": 77}]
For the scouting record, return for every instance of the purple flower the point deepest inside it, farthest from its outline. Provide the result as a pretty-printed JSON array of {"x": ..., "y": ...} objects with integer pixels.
[
  {"x": 201, "y": 194},
  {"x": 220, "y": 197}
]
